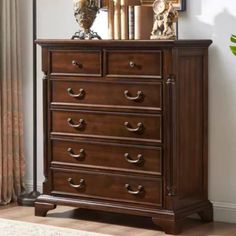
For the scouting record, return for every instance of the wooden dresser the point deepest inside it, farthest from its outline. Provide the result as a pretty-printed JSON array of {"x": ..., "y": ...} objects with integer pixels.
[{"x": 125, "y": 128}]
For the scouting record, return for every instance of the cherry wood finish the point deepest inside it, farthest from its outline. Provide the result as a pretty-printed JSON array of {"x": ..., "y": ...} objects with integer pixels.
[
  {"x": 41, "y": 208},
  {"x": 78, "y": 62},
  {"x": 124, "y": 94},
  {"x": 127, "y": 131},
  {"x": 112, "y": 187},
  {"x": 120, "y": 125},
  {"x": 133, "y": 63},
  {"x": 108, "y": 156}
]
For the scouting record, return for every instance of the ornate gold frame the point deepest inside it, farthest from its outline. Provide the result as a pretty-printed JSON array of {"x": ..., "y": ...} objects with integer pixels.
[{"x": 179, "y": 4}]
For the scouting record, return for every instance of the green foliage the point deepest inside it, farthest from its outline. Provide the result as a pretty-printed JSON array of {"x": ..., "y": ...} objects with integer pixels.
[{"x": 233, "y": 40}]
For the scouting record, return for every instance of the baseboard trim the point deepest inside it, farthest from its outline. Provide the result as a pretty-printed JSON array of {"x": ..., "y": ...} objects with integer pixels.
[
  {"x": 29, "y": 186},
  {"x": 223, "y": 211}
]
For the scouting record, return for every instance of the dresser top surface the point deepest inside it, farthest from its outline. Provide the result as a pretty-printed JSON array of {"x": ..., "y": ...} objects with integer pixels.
[{"x": 124, "y": 43}]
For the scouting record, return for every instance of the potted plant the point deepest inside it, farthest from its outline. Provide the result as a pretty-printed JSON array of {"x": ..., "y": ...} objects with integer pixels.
[{"x": 233, "y": 40}]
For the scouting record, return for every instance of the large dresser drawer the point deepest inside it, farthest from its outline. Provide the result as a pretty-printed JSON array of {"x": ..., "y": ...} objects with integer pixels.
[
  {"x": 84, "y": 63},
  {"x": 97, "y": 185},
  {"x": 110, "y": 124},
  {"x": 119, "y": 94},
  {"x": 134, "y": 63},
  {"x": 129, "y": 158}
]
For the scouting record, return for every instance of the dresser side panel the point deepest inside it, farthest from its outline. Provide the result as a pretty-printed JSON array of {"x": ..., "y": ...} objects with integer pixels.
[{"x": 191, "y": 126}]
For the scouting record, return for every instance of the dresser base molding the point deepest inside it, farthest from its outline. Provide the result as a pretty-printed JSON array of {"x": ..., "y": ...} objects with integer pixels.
[{"x": 169, "y": 221}]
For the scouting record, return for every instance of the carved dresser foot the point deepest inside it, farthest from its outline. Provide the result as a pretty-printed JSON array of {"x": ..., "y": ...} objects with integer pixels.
[
  {"x": 42, "y": 208},
  {"x": 206, "y": 215},
  {"x": 169, "y": 226}
]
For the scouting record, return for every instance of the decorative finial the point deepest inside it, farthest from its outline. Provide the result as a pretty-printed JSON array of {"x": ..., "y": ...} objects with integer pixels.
[{"x": 85, "y": 12}]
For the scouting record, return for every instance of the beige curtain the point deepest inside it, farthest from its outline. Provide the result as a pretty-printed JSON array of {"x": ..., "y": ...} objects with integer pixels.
[{"x": 12, "y": 165}]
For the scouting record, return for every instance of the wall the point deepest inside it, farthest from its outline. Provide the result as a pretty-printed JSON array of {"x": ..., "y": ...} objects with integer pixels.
[
  {"x": 216, "y": 19},
  {"x": 213, "y": 19}
]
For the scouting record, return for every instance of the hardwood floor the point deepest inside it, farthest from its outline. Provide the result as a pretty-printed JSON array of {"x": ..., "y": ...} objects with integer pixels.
[{"x": 113, "y": 224}]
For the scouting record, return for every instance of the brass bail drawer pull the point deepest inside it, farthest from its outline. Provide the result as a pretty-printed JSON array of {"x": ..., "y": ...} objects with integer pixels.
[
  {"x": 134, "y": 130},
  {"x": 132, "y": 64},
  {"x": 129, "y": 189},
  {"x": 81, "y": 154},
  {"x": 80, "y": 95},
  {"x": 78, "y": 186},
  {"x": 71, "y": 123},
  {"x": 137, "y": 98},
  {"x": 76, "y": 63},
  {"x": 132, "y": 161}
]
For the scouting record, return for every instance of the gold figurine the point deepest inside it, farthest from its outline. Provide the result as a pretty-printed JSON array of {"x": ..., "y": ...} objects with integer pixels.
[{"x": 164, "y": 17}]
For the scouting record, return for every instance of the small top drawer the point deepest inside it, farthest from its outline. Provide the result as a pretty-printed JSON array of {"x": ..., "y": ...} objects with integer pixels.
[
  {"x": 134, "y": 63},
  {"x": 84, "y": 63}
]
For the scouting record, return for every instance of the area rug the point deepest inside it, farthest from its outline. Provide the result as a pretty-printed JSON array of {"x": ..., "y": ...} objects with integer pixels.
[{"x": 20, "y": 228}]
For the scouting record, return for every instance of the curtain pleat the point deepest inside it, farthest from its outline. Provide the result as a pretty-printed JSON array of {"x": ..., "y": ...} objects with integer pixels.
[{"x": 12, "y": 161}]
